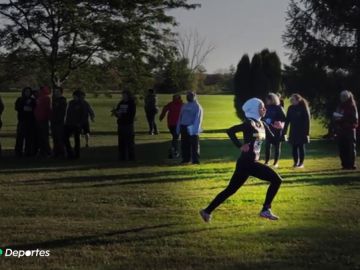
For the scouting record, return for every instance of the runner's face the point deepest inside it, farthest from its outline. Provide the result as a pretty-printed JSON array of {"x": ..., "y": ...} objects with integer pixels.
[{"x": 262, "y": 110}]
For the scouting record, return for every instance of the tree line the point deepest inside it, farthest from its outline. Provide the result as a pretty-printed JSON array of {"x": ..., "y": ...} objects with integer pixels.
[{"x": 121, "y": 44}]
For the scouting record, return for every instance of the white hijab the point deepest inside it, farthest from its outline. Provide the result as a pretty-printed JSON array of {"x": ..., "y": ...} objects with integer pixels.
[{"x": 251, "y": 108}]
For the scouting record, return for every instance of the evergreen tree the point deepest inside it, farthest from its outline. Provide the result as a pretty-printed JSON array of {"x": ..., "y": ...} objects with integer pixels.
[
  {"x": 324, "y": 39},
  {"x": 242, "y": 84},
  {"x": 256, "y": 78}
]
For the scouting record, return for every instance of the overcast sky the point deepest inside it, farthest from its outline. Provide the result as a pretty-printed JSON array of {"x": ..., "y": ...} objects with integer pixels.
[{"x": 236, "y": 27}]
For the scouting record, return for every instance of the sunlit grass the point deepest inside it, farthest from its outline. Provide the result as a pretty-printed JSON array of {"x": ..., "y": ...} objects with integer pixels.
[{"x": 96, "y": 213}]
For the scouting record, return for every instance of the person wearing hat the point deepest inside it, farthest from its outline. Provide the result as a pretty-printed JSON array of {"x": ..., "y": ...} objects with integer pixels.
[
  {"x": 75, "y": 115},
  {"x": 346, "y": 121},
  {"x": 254, "y": 131},
  {"x": 172, "y": 110},
  {"x": 189, "y": 126}
]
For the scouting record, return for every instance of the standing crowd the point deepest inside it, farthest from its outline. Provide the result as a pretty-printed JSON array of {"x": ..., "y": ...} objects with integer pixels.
[{"x": 38, "y": 114}]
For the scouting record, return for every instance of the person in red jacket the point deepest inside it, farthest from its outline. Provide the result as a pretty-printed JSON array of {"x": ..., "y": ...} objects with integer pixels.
[
  {"x": 42, "y": 114},
  {"x": 172, "y": 110}
]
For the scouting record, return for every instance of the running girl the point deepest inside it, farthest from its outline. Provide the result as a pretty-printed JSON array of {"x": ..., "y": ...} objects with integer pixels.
[{"x": 255, "y": 131}]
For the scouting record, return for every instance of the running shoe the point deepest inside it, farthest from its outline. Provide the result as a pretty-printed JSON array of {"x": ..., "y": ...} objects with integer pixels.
[
  {"x": 268, "y": 214},
  {"x": 205, "y": 216}
]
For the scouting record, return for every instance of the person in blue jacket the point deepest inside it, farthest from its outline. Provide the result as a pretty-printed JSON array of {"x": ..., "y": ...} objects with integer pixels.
[
  {"x": 275, "y": 118},
  {"x": 189, "y": 126}
]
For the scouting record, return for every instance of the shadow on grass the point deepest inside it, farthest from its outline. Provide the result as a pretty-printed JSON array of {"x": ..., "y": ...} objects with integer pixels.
[
  {"x": 96, "y": 240},
  {"x": 170, "y": 177},
  {"x": 148, "y": 154}
]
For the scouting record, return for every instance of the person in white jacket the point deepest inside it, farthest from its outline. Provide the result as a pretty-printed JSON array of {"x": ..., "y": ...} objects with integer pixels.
[{"x": 189, "y": 126}]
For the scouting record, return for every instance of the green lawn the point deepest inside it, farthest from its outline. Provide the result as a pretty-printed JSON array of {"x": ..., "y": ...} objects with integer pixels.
[{"x": 96, "y": 213}]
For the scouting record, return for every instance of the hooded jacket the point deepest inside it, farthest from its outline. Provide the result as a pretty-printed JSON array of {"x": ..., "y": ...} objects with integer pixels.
[{"x": 191, "y": 116}]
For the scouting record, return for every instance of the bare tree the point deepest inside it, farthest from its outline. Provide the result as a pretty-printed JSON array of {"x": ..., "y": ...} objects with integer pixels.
[{"x": 195, "y": 48}]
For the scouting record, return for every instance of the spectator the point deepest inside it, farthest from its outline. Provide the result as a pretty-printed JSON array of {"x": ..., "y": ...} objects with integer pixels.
[
  {"x": 26, "y": 127},
  {"x": 274, "y": 118},
  {"x": 189, "y": 126},
  {"x": 75, "y": 115},
  {"x": 151, "y": 109},
  {"x": 125, "y": 112},
  {"x": 172, "y": 110},
  {"x": 85, "y": 129},
  {"x": 346, "y": 121},
  {"x": 43, "y": 116},
  {"x": 298, "y": 119}
]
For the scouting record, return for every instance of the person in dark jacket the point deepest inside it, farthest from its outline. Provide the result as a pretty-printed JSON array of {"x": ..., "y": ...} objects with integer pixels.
[
  {"x": 298, "y": 119},
  {"x": 26, "y": 127},
  {"x": 59, "y": 104},
  {"x": 75, "y": 115},
  {"x": 346, "y": 121},
  {"x": 151, "y": 109},
  {"x": 172, "y": 110},
  {"x": 125, "y": 113},
  {"x": 2, "y": 107},
  {"x": 275, "y": 118},
  {"x": 254, "y": 131},
  {"x": 43, "y": 116},
  {"x": 90, "y": 114}
]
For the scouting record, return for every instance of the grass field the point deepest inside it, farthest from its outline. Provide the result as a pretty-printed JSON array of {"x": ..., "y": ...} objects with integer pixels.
[{"x": 96, "y": 213}]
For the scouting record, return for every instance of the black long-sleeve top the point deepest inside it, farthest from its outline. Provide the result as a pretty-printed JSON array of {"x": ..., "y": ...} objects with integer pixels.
[
  {"x": 125, "y": 112},
  {"x": 298, "y": 119},
  {"x": 254, "y": 133}
]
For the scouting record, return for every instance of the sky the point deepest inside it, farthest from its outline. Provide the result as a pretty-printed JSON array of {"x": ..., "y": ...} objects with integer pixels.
[{"x": 236, "y": 27}]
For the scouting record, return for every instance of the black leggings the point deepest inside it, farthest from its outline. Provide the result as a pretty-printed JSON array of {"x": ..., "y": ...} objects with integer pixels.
[
  {"x": 242, "y": 172},
  {"x": 347, "y": 149},
  {"x": 298, "y": 152},
  {"x": 277, "y": 146}
]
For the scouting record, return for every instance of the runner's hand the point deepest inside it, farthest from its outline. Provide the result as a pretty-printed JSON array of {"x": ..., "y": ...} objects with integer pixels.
[{"x": 245, "y": 148}]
